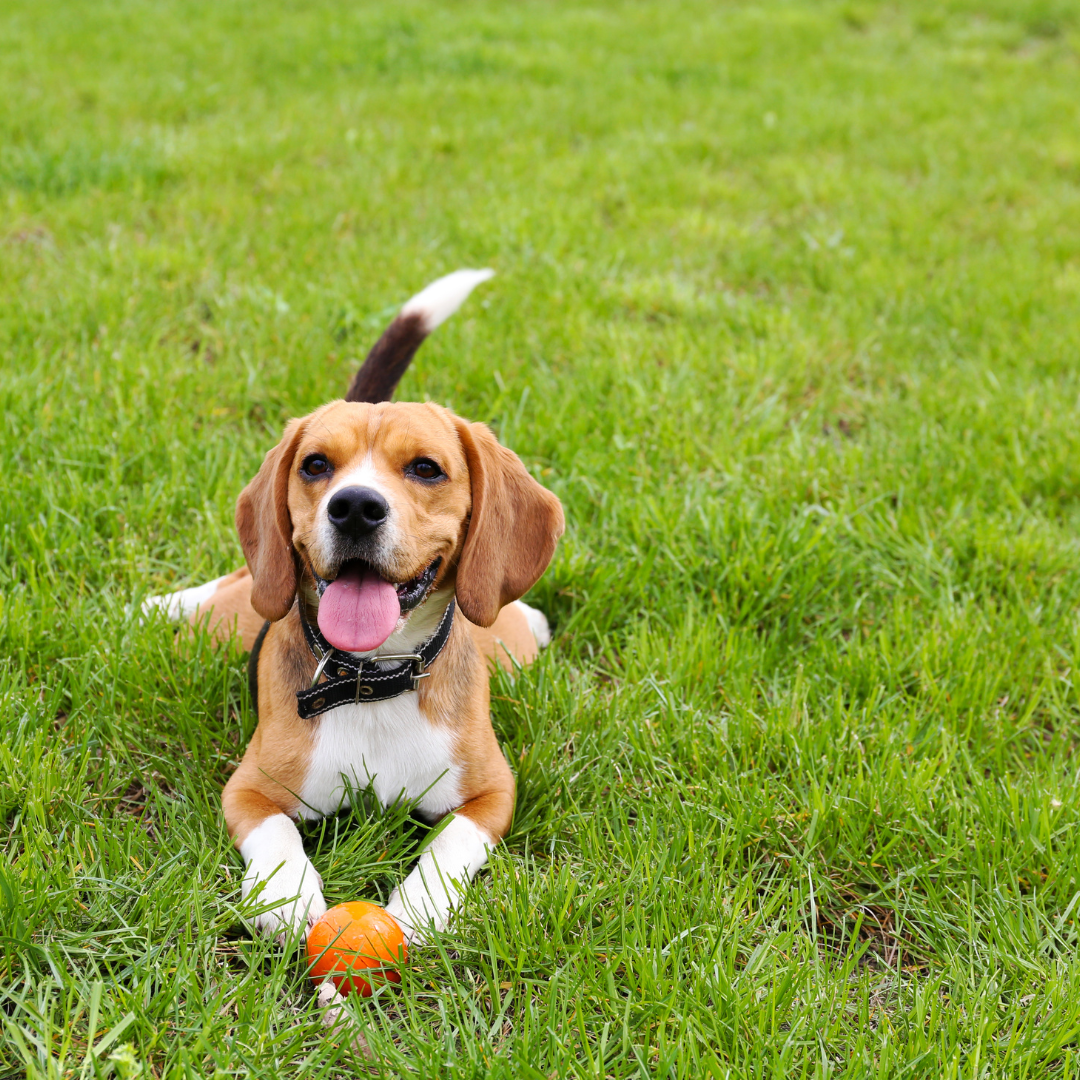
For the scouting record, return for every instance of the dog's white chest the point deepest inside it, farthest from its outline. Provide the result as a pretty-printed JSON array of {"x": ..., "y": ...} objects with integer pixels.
[{"x": 391, "y": 746}]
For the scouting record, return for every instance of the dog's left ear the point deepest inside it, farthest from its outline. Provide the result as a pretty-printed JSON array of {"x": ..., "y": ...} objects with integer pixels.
[
  {"x": 514, "y": 527},
  {"x": 265, "y": 527}
]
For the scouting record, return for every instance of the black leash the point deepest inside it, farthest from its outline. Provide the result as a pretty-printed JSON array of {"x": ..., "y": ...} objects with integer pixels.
[{"x": 253, "y": 667}]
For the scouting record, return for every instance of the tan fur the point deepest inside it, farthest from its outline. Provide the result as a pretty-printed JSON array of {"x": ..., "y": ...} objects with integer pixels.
[
  {"x": 508, "y": 641},
  {"x": 493, "y": 526},
  {"x": 273, "y": 767}
]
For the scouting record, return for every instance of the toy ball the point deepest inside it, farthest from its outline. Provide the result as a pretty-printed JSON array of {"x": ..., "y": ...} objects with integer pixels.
[{"x": 356, "y": 945}]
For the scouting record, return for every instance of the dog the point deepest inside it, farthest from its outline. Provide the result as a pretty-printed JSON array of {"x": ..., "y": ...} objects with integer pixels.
[{"x": 387, "y": 546}]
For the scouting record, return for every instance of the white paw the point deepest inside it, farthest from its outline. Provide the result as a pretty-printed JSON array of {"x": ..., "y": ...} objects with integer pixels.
[
  {"x": 417, "y": 918},
  {"x": 280, "y": 878},
  {"x": 178, "y": 605},
  {"x": 166, "y": 603},
  {"x": 538, "y": 624},
  {"x": 294, "y": 893},
  {"x": 425, "y": 900}
]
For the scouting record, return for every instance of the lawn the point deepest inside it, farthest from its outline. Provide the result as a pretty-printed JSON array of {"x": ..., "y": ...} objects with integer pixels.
[{"x": 787, "y": 313}]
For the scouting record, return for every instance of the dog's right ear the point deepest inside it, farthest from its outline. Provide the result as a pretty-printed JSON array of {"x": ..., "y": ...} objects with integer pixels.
[{"x": 265, "y": 527}]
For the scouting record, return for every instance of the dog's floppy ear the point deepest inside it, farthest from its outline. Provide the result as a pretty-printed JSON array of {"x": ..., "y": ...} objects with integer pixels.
[
  {"x": 513, "y": 530},
  {"x": 265, "y": 528}
]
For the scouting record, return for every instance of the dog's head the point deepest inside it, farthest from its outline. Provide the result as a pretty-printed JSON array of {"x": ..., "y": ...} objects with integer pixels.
[{"x": 382, "y": 504}]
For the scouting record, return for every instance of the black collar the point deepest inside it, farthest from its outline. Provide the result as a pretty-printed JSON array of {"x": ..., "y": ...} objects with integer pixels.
[{"x": 352, "y": 679}]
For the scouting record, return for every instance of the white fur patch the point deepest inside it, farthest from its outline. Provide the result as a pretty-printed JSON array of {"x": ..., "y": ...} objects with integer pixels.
[
  {"x": 274, "y": 857},
  {"x": 414, "y": 628},
  {"x": 180, "y": 604},
  {"x": 390, "y": 745},
  {"x": 436, "y": 303},
  {"x": 364, "y": 475},
  {"x": 447, "y": 865},
  {"x": 538, "y": 624}
]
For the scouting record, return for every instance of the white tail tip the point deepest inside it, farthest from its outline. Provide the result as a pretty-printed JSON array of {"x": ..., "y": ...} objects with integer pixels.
[{"x": 436, "y": 303}]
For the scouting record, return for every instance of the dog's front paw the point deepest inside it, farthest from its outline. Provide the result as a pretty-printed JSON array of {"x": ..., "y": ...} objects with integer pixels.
[
  {"x": 425, "y": 900},
  {"x": 418, "y": 913},
  {"x": 280, "y": 880},
  {"x": 290, "y": 896}
]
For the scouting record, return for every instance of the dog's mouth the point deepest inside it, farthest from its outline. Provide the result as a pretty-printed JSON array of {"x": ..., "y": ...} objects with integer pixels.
[{"x": 359, "y": 609}]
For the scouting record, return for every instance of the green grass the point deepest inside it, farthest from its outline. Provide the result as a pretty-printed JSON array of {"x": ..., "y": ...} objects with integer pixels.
[{"x": 788, "y": 315}]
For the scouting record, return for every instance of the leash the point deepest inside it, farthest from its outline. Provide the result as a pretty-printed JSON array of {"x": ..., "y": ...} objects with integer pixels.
[{"x": 253, "y": 667}]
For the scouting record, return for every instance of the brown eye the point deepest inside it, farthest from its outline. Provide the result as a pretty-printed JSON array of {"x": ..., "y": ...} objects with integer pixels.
[
  {"x": 315, "y": 465},
  {"x": 425, "y": 469}
]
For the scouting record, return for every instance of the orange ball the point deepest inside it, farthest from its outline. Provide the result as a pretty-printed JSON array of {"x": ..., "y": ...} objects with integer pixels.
[{"x": 353, "y": 938}]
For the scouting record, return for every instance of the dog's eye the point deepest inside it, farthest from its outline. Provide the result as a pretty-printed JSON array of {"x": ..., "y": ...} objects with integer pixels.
[
  {"x": 315, "y": 465},
  {"x": 424, "y": 469}
]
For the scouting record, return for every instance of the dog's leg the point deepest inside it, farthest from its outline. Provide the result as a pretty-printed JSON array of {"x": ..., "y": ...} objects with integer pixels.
[
  {"x": 276, "y": 867},
  {"x": 429, "y": 894},
  {"x": 224, "y": 603},
  {"x": 184, "y": 602}
]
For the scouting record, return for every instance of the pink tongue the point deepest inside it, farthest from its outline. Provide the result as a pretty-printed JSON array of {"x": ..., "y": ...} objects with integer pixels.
[{"x": 359, "y": 611}]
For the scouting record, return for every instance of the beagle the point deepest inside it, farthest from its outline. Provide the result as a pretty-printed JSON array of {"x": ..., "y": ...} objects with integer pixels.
[{"x": 387, "y": 546}]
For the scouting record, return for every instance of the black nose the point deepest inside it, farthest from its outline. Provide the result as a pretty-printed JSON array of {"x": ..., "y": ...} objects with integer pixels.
[{"x": 357, "y": 511}]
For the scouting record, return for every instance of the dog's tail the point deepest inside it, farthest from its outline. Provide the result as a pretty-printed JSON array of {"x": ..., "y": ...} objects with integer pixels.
[{"x": 390, "y": 356}]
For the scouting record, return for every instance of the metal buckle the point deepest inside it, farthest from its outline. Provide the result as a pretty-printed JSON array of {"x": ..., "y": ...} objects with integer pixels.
[
  {"x": 418, "y": 672},
  {"x": 418, "y": 665}
]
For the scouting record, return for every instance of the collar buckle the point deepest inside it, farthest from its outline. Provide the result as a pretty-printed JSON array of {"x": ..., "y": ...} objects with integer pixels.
[{"x": 418, "y": 663}]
